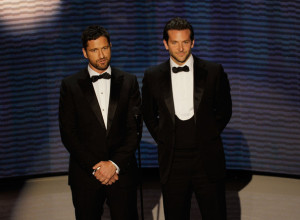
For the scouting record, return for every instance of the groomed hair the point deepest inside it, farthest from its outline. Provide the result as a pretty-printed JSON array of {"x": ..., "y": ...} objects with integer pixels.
[
  {"x": 177, "y": 24},
  {"x": 93, "y": 32}
]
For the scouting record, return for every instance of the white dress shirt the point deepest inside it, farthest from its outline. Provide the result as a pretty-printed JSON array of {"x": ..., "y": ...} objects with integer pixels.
[
  {"x": 102, "y": 90},
  {"x": 183, "y": 90}
]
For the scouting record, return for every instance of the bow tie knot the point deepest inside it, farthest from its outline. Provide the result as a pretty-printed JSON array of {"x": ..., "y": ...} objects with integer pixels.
[
  {"x": 180, "y": 69},
  {"x": 100, "y": 76}
]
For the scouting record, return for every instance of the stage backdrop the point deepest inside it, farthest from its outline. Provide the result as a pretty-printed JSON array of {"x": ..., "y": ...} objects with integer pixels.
[{"x": 258, "y": 43}]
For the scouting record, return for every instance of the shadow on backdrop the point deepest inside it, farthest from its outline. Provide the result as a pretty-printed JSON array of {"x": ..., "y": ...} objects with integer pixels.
[{"x": 239, "y": 173}]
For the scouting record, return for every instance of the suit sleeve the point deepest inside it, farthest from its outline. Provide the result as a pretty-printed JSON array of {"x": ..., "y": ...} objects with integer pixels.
[
  {"x": 223, "y": 103},
  {"x": 149, "y": 108},
  {"x": 123, "y": 154},
  {"x": 69, "y": 130}
]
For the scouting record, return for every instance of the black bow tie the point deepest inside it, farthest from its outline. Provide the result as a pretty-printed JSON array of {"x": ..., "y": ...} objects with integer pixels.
[
  {"x": 101, "y": 76},
  {"x": 180, "y": 69}
]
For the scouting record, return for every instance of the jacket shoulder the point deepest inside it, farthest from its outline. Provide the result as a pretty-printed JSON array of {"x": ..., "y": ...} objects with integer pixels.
[
  {"x": 157, "y": 68},
  {"x": 211, "y": 69},
  {"x": 81, "y": 74},
  {"x": 204, "y": 62},
  {"x": 127, "y": 77}
]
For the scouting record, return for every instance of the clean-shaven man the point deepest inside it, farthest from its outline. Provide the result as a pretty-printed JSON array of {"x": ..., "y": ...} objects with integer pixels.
[{"x": 186, "y": 105}]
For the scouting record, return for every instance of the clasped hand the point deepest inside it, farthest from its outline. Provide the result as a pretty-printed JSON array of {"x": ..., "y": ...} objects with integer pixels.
[{"x": 106, "y": 174}]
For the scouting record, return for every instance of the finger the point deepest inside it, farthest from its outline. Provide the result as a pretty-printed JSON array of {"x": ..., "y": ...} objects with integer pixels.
[
  {"x": 100, "y": 164},
  {"x": 106, "y": 173},
  {"x": 104, "y": 176},
  {"x": 97, "y": 176},
  {"x": 112, "y": 180},
  {"x": 108, "y": 183},
  {"x": 97, "y": 165},
  {"x": 105, "y": 180},
  {"x": 95, "y": 170}
]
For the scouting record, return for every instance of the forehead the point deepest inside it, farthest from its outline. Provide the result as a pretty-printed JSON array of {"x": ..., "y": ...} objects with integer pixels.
[
  {"x": 178, "y": 35},
  {"x": 99, "y": 42}
]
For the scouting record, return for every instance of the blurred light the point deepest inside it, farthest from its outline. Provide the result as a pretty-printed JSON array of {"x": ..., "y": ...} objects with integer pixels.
[{"x": 23, "y": 15}]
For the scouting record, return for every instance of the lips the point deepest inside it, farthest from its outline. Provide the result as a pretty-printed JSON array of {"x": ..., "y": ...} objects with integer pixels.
[
  {"x": 181, "y": 54},
  {"x": 102, "y": 61}
]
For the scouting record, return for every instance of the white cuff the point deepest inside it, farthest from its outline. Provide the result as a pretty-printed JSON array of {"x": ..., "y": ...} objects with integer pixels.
[{"x": 118, "y": 169}]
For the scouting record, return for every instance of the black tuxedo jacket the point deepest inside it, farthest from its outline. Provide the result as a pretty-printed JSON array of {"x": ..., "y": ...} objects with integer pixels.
[
  {"x": 83, "y": 132},
  {"x": 212, "y": 107}
]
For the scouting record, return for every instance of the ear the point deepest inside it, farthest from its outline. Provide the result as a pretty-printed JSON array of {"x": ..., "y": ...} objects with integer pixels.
[
  {"x": 84, "y": 53},
  {"x": 193, "y": 42},
  {"x": 166, "y": 45}
]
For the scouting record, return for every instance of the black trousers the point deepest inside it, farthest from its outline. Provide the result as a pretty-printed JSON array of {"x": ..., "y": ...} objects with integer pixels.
[
  {"x": 188, "y": 176},
  {"x": 88, "y": 203}
]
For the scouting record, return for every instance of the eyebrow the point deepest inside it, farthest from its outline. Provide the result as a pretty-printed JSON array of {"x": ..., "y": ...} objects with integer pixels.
[{"x": 96, "y": 48}]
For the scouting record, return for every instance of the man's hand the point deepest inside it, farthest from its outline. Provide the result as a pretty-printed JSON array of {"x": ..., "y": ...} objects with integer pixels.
[
  {"x": 105, "y": 173},
  {"x": 113, "y": 179}
]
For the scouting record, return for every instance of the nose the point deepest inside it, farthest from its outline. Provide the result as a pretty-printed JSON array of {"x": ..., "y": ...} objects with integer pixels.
[
  {"x": 180, "y": 47},
  {"x": 101, "y": 54}
]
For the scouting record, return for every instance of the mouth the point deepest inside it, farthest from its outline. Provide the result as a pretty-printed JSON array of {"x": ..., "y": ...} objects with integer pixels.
[
  {"x": 103, "y": 61},
  {"x": 181, "y": 54}
]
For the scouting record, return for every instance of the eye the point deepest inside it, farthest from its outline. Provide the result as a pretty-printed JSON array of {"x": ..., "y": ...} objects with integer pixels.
[{"x": 93, "y": 50}]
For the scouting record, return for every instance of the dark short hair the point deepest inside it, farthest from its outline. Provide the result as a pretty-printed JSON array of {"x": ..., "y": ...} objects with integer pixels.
[
  {"x": 177, "y": 24},
  {"x": 93, "y": 32}
]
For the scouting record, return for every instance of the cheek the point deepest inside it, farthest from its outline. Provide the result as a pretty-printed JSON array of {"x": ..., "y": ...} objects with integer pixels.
[
  {"x": 108, "y": 54},
  {"x": 92, "y": 57},
  {"x": 188, "y": 47},
  {"x": 172, "y": 48}
]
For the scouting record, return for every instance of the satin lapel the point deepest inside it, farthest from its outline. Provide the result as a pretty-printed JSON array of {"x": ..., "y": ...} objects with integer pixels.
[
  {"x": 88, "y": 91},
  {"x": 199, "y": 80},
  {"x": 167, "y": 89},
  {"x": 115, "y": 89}
]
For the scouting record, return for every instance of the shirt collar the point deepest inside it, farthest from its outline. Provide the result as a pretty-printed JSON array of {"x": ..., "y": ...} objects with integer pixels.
[
  {"x": 94, "y": 73},
  {"x": 189, "y": 62}
]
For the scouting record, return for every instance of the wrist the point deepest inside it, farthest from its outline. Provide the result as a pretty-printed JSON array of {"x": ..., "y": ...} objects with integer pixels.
[{"x": 116, "y": 166}]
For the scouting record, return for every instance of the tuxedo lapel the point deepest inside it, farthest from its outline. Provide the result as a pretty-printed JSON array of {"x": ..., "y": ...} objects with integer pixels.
[
  {"x": 115, "y": 89},
  {"x": 199, "y": 79},
  {"x": 166, "y": 86},
  {"x": 88, "y": 90}
]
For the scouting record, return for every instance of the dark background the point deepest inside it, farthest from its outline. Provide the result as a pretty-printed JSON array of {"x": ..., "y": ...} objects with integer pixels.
[{"x": 258, "y": 43}]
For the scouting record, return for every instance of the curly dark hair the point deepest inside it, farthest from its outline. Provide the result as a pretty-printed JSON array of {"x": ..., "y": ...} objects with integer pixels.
[{"x": 93, "y": 32}]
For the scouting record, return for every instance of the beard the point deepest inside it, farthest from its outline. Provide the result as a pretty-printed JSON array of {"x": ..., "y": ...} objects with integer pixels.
[{"x": 97, "y": 65}]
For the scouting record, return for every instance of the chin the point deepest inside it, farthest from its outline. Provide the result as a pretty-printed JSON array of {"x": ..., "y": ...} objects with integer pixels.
[{"x": 102, "y": 67}]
